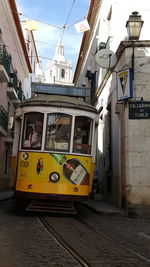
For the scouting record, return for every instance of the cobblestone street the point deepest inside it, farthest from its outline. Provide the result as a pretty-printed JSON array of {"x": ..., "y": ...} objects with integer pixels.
[
  {"x": 103, "y": 240},
  {"x": 24, "y": 242}
]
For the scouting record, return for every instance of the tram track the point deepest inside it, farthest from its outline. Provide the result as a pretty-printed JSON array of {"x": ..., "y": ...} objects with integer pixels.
[
  {"x": 63, "y": 243},
  {"x": 100, "y": 233},
  {"x": 70, "y": 233}
]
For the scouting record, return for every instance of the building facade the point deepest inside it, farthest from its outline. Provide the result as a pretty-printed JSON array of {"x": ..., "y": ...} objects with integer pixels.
[
  {"x": 123, "y": 153},
  {"x": 59, "y": 71},
  {"x": 14, "y": 70},
  {"x": 37, "y": 74}
]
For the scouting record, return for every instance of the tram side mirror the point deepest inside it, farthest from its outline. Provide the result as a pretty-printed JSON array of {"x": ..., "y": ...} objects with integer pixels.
[{"x": 10, "y": 122}]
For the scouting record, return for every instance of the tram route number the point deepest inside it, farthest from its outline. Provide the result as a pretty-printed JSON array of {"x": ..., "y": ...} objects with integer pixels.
[
  {"x": 59, "y": 90},
  {"x": 24, "y": 163},
  {"x": 77, "y": 92}
]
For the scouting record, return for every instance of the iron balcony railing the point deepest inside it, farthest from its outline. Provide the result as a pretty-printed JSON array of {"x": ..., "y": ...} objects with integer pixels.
[
  {"x": 20, "y": 93},
  {"x": 14, "y": 80},
  {"x": 5, "y": 59},
  {"x": 3, "y": 118}
]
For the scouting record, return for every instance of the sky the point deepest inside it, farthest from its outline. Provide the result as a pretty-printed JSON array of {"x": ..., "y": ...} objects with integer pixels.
[{"x": 52, "y": 15}]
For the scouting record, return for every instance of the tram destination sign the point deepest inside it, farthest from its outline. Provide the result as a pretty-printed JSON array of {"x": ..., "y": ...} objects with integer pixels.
[
  {"x": 43, "y": 88},
  {"x": 139, "y": 110}
]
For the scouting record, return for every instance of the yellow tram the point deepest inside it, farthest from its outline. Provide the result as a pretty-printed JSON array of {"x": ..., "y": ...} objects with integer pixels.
[{"x": 56, "y": 137}]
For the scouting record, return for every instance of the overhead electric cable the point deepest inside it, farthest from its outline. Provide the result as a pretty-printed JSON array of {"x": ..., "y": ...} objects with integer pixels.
[
  {"x": 21, "y": 53},
  {"x": 55, "y": 26},
  {"x": 65, "y": 25},
  {"x": 39, "y": 41},
  {"x": 76, "y": 22}
]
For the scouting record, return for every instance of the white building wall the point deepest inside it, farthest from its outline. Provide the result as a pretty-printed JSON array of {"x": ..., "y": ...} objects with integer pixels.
[
  {"x": 138, "y": 135},
  {"x": 130, "y": 146},
  {"x": 120, "y": 14},
  {"x": 11, "y": 38}
]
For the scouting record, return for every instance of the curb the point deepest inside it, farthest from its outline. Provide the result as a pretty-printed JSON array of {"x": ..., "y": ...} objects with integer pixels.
[{"x": 6, "y": 195}]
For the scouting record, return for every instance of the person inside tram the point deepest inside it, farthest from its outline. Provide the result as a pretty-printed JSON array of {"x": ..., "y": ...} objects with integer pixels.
[
  {"x": 29, "y": 132},
  {"x": 77, "y": 140},
  {"x": 27, "y": 141},
  {"x": 35, "y": 136},
  {"x": 61, "y": 138}
]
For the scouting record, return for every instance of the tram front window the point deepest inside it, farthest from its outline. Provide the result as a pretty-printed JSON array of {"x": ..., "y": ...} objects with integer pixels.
[
  {"x": 32, "y": 133},
  {"x": 58, "y": 132},
  {"x": 82, "y": 135}
]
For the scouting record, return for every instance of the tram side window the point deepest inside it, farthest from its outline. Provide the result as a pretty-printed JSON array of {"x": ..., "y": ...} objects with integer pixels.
[
  {"x": 58, "y": 132},
  {"x": 82, "y": 135},
  {"x": 32, "y": 130}
]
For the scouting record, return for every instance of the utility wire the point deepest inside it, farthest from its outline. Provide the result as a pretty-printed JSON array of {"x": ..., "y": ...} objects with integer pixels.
[
  {"x": 21, "y": 53},
  {"x": 65, "y": 25},
  {"x": 39, "y": 41},
  {"x": 55, "y": 26},
  {"x": 76, "y": 22},
  {"x": 51, "y": 25}
]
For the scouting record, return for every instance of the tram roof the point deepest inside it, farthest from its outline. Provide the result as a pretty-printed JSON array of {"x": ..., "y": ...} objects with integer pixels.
[{"x": 60, "y": 101}]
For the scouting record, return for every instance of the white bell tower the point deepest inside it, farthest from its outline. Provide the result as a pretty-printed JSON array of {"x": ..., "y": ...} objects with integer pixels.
[{"x": 59, "y": 71}]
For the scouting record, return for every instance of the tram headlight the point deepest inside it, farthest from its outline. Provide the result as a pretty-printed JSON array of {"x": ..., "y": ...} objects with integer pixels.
[{"x": 54, "y": 177}]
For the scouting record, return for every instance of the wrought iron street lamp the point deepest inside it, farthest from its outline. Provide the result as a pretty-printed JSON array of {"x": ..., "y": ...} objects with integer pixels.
[{"x": 134, "y": 25}]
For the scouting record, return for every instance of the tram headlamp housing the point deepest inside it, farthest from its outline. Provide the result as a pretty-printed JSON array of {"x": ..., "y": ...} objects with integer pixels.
[{"x": 54, "y": 177}]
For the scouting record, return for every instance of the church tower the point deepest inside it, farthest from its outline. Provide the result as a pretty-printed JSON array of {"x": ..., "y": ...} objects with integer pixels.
[{"x": 59, "y": 71}]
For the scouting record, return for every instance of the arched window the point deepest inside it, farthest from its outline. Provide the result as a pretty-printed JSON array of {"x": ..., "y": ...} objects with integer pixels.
[{"x": 62, "y": 73}]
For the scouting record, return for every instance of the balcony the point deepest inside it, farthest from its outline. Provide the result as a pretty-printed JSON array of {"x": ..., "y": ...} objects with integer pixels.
[
  {"x": 13, "y": 86},
  {"x": 21, "y": 95},
  {"x": 3, "y": 121},
  {"x": 14, "y": 89},
  {"x": 5, "y": 61}
]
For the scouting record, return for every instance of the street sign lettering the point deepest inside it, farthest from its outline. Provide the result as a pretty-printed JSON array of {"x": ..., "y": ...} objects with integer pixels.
[{"x": 139, "y": 110}]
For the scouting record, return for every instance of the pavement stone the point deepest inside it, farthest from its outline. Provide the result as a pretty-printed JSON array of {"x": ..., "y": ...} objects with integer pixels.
[
  {"x": 102, "y": 207},
  {"x": 6, "y": 194}
]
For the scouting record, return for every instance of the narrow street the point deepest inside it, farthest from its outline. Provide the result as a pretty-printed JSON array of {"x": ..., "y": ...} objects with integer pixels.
[
  {"x": 74, "y": 127},
  {"x": 87, "y": 239}
]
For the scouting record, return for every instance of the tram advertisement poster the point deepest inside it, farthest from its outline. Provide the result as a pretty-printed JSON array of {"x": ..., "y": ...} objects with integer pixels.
[{"x": 46, "y": 167}]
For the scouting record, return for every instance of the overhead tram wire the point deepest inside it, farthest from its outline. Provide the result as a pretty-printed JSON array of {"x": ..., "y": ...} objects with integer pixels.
[
  {"x": 51, "y": 25},
  {"x": 42, "y": 42},
  {"x": 55, "y": 26},
  {"x": 21, "y": 53},
  {"x": 65, "y": 25},
  {"x": 76, "y": 22}
]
